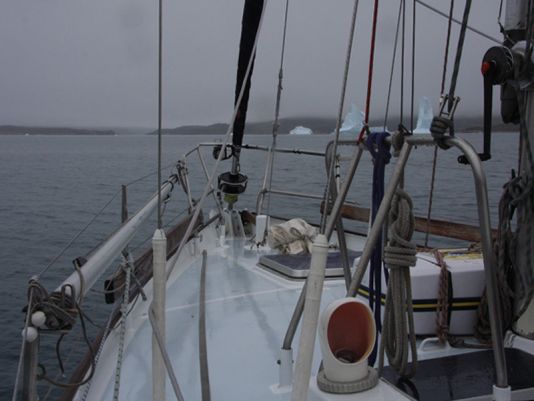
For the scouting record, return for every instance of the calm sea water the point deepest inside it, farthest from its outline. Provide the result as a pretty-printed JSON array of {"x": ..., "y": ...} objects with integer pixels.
[{"x": 52, "y": 186}]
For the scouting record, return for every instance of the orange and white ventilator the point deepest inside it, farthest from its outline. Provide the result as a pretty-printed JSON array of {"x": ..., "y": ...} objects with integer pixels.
[{"x": 347, "y": 336}]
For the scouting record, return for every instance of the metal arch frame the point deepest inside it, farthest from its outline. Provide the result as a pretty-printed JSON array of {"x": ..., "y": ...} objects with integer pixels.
[{"x": 485, "y": 233}]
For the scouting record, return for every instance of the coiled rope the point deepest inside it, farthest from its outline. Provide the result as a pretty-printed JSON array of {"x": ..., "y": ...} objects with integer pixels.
[
  {"x": 398, "y": 334},
  {"x": 516, "y": 191}
]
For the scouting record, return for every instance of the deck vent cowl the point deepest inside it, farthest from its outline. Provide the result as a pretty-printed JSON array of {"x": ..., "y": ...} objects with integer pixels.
[{"x": 347, "y": 335}]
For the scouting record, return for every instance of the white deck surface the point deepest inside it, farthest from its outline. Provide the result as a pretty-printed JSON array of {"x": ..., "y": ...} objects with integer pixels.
[{"x": 247, "y": 313}]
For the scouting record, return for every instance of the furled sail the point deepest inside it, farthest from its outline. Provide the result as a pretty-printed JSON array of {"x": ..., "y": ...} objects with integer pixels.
[{"x": 249, "y": 28}]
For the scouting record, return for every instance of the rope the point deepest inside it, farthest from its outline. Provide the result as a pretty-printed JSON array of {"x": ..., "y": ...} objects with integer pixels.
[
  {"x": 61, "y": 309},
  {"x": 381, "y": 157},
  {"x": 370, "y": 73},
  {"x": 87, "y": 387},
  {"x": 398, "y": 334},
  {"x": 202, "y": 346},
  {"x": 122, "y": 333},
  {"x": 442, "y": 310},
  {"x": 168, "y": 365},
  {"x": 331, "y": 178}
]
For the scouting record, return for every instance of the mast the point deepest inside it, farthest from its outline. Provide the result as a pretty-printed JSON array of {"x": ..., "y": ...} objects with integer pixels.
[{"x": 233, "y": 183}]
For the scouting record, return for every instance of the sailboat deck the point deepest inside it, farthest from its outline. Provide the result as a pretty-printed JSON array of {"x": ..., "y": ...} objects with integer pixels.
[{"x": 247, "y": 313}]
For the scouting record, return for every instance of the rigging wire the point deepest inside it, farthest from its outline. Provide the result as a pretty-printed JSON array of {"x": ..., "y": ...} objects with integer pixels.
[
  {"x": 478, "y": 32},
  {"x": 435, "y": 156},
  {"x": 459, "y": 51},
  {"x": 403, "y": 51},
  {"x": 24, "y": 344},
  {"x": 276, "y": 124},
  {"x": 160, "y": 54},
  {"x": 370, "y": 73},
  {"x": 93, "y": 219},
  {"x": 224, "y": 143},
  {"x": 393, "y": 64},
  {"x": 413, "y": 67},
  {"x": 76, "y": 236},
  {"x": 330, "y": 181}
]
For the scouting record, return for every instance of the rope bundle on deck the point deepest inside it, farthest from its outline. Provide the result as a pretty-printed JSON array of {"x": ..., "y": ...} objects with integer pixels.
[
  {"x": 517, "y": 191},
  {"x": 398, "y": 334}
]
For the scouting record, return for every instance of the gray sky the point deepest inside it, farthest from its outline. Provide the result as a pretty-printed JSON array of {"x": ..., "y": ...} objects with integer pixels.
[{"x": 94, "y": 63}]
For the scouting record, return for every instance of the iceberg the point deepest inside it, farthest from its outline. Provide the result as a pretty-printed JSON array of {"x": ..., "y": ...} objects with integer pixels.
[
  {"x": 424, "y": 116},
  {"x": 353, "y": 121},
  {"x": 300, "y": 130}
]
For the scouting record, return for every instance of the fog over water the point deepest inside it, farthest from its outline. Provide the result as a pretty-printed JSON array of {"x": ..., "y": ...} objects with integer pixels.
[{"x": 95, "y": 63}]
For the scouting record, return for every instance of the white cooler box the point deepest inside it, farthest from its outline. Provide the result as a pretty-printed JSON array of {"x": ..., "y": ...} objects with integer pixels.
[{"x": 468, "y": 281}]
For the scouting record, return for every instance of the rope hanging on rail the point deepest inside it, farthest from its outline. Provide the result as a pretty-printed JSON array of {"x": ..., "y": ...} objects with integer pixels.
[{"x": 398, "y": 334}]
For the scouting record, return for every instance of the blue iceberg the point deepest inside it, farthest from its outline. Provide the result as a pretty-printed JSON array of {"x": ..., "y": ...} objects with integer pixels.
[
  {"x": 353, "y": 121},
  {"x": 300, "y": 130},
  {"x": 424, "y": 116}
]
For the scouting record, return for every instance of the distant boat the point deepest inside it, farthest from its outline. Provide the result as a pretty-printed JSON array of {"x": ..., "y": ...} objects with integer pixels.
[
  {"x": 353, "y": 121},
  {"x": 300, "y": 130},
  {"x": 424, "y": 116}
]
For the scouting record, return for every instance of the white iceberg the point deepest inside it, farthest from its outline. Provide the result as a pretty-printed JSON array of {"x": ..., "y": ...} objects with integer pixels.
[
  {"x": 353, "y": 121},
  {"x": 424, "y": 116},
  {"x": 300, "y": 130}
]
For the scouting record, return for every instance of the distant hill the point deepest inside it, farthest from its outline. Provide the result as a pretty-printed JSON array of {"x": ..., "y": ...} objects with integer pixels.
[
  {"x": 319, "y": 126},
  {"x": 21, "y": 130}
]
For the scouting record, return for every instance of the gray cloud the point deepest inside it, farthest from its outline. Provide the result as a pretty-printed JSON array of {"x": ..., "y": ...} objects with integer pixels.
[{"x": 94, "y": 63}]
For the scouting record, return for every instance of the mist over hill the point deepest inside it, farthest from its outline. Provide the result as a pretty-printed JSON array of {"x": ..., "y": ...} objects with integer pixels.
[{"x": 319, "y": 126}]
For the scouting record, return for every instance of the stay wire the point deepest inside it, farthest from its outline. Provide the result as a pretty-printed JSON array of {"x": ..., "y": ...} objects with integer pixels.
[
  {"x": 24, "y": 344},
  {"x": 435, "y": 156},
  {"x": 393, "y": 65},
  {"x": 331, "y": 178},
  {"x": 403, "y": 51},
  {"x": 69, "y": 244},
  {"x": 370, "y": 71},
  {"x": 459, "y": 51},
  {"x": 160, "y": 68},
  {"x": 224, "y": 143},
  {"x": 413, "y": 67},
  {"x": 279, "y": 89},
  {"x": 478, "y": 32}
]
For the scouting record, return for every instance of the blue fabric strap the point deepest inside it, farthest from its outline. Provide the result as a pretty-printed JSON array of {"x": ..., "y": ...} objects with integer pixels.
[{"x": 379, "y": 150}]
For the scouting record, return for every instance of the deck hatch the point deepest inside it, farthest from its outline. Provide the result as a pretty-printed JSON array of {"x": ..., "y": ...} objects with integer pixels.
[{"x": 298, "y": 266}]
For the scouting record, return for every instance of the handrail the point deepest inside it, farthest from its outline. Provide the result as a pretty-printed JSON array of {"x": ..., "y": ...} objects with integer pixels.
[{"x": 485, "y": 234}]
